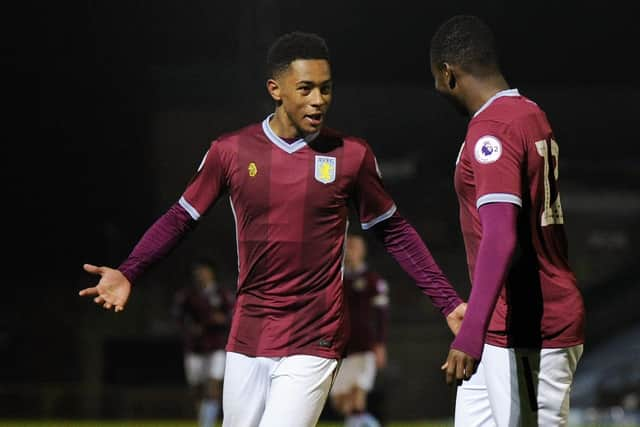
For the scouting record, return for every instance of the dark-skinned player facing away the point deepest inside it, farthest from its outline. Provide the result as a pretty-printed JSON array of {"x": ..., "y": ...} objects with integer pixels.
[{"x": 523, "y": 332}]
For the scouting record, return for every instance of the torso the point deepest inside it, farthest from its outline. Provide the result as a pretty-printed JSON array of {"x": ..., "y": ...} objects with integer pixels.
[{"x": 540, "y": 304}]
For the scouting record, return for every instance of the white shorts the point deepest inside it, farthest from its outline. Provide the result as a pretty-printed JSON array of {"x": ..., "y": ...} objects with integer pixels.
[
  {"x": 275, "y": 391},
  {"x": 200, "y": 367},
  {"x": 356, "y": 370},
  {"x": 518, "y": 387}
]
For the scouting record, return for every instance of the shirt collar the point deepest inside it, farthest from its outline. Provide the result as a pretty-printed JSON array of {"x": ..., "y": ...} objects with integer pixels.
[
  {"x": 282, "y": 144},
  {"x": 506, "y": 92}
]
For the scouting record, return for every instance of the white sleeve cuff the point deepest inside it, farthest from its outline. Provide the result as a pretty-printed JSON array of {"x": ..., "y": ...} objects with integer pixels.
[
  {"x": 190, "y": 209},
  {"x": 498, "y": 198},
  {"x": 388, "y": 214}
]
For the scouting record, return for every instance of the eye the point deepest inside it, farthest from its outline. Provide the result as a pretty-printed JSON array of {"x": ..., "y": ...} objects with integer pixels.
[
  {"x": 305, "y": 90},
  {"x": 326, "y": 90}
]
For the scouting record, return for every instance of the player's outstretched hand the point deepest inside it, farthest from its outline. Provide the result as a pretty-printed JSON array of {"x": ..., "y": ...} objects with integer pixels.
[
  {"x": 454, "y": 319},
  {"x": 459, "y": 366},
  {"x": 113, "y": 289}
]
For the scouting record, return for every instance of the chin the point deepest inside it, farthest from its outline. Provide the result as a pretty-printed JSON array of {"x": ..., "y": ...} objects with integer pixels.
[{"x": 308, "y": 130}]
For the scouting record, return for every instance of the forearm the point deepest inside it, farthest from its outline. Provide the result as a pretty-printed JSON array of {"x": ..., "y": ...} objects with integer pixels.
[
  {"x": 404, "y": 244},
  {"x": 157, "y": 242},
  {"x": 492, "y": 264}
]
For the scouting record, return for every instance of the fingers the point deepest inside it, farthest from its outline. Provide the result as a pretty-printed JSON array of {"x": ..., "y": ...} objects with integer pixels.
[
  {"x": 102, "y": 301},
  {"x": 110, "y": 305},
  {"x": 469, "y": 368},
  {"x": 460, "y": 369},
  {"x": 94, "y": 289},
  {"x": 93, "y": 269},
  {"x": 450, "y": 373},
  {"x": 88, "y": 291}
]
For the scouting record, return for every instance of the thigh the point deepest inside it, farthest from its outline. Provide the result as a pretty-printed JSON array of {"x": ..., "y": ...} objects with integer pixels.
[
  {"x": 367, "y": 374},
  {"x": 215, "y": 369},
  {"x": 473, "y": 408},
  {"x": 345, "y": 377},
  {"x": 557, "y": 368},
  {"x": 512, "y": 382},
  {"x": 246, "y": 385},
  {"x": 193, "y": 368},
  {"x": 299, "y": 388}
]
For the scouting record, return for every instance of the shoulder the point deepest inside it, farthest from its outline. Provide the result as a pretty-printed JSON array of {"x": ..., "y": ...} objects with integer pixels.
[
  {"x": 350, "y": 143},
  {"x": 508, "y": 113},
  {"x": 353, "y": 152},
  {"x": 509, "y": 122}
]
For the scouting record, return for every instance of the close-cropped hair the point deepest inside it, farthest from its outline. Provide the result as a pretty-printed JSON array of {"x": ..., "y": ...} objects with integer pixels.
[
  {"x": 466, "y": 41},
  {"x": 292, "y": 46}
]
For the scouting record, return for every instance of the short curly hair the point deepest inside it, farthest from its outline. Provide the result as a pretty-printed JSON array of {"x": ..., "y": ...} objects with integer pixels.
[
  {"x": 465, "y": 40},
  {"x": 295, "y": 45}
]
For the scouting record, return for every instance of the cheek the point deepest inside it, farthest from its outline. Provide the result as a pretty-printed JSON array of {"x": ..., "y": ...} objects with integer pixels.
[{"x": 292, "y": 103}]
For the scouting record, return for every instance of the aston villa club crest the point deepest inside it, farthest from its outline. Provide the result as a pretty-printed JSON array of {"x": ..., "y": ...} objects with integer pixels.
[{"x": 325, "y": 169}]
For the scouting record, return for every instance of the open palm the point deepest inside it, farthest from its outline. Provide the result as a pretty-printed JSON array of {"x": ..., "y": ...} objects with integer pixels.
[{"x": 113, "y": 289}]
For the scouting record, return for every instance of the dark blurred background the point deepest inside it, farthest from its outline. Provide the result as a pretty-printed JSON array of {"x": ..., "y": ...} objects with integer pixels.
[{"x": 111, "y": 105}]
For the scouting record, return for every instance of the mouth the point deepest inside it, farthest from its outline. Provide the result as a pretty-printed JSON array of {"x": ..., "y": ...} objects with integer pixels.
[{"x": 314, "y": 120}]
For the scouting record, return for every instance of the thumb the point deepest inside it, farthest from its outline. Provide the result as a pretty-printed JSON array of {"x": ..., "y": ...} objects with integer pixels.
[{"x": 90, "y": 268}]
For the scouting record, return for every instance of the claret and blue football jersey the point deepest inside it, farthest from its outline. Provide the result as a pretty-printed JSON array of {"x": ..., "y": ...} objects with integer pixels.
[
  {"x": 510, "y": 156},
  {"x": 290, "y": 202}
]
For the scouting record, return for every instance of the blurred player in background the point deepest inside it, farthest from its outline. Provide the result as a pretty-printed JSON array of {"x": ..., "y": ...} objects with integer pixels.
[
  {"x": 291, "y": 183},
  {"x": 367, "y": 297},
  {"x": 203, "y": 310},
  {"x": 524, "y": 327}
]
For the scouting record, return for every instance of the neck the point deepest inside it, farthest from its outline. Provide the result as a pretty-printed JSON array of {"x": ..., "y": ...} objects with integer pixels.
[
  {"x": 282, "y": 126},
  {"x": 481, "y": 90}
]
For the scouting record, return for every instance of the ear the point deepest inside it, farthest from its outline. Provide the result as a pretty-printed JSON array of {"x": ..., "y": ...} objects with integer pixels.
[
  {"x": 274, "y": 89},
  {"x": 449, "y": 75}
]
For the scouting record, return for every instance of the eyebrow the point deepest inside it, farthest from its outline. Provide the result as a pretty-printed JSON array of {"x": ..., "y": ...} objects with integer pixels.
[{"x": 309, "y": 82}]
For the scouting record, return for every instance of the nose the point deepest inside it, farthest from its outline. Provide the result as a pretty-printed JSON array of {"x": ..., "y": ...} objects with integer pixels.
[{"x": 317, "y": 98}]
